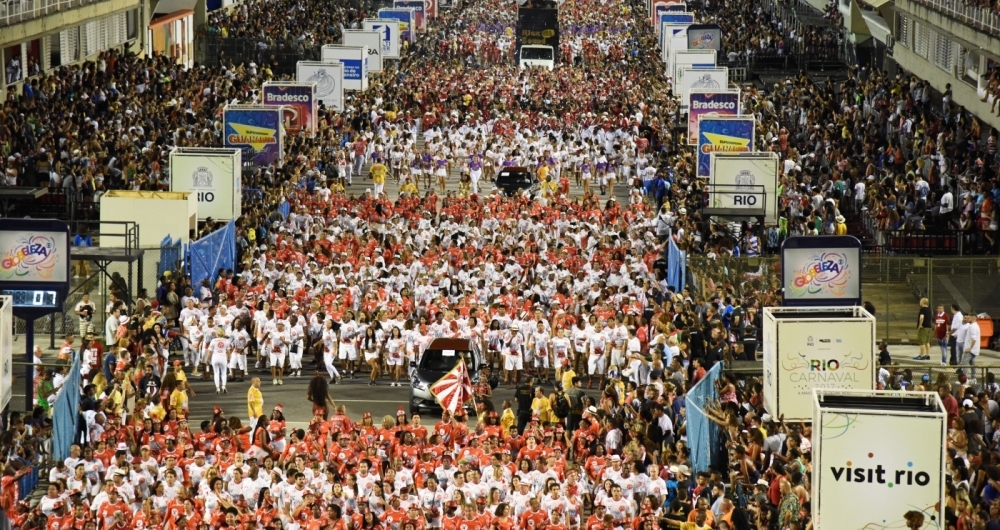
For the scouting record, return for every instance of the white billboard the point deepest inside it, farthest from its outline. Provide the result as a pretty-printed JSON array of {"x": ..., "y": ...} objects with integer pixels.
[
  {"x": 690, "y": 59},
  {"x": 673, "y": 36},
  {"x": 390, "y": 35},
  {"x": 355, "y": 61},
  {"x": 706, "y": 79},
  {"x": 214, "y": 175},
  {"x": 807, "y": 349},
  {"x": 873, "y": 466},
  {"x": 329, "y": 81},
  {"x": 372, "y": 41},
  {"x": 739, "y": 174}
]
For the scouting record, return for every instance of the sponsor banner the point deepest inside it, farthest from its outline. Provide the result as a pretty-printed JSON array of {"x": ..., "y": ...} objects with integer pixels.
[
  {"x": 537, "y": 26},
  {"x": 665, "y": 15},
  {"x": 705, "y": 37},
  {"x": 406, "y": 19},
  {"x": 389, "y": 30},
  {"x": 299, "y": 102},
  {"x": 373, "y": 43},
  {"x": 355, "y": 61},
  {"x": 875, "y": 467},
  {"x": 684, "y": 58},
  {"x": 723, "y": 134},
  {"x": 257, "y": 131},
  {"x": 34, "y": 257},
  {"x": 699, "y": 78},
  {"x": 419, "y": 8},
  {"x": 329, "y": 81},
  {"x": 704, "y": 102},
  {"x": 825, "y": 276}
]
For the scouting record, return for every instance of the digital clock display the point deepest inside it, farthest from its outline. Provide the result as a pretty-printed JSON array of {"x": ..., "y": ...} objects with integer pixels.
[{"x": 34, "y": 298}]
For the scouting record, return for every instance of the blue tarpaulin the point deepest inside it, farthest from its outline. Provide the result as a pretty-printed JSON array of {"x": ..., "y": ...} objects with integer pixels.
[
  {"x": 702, "y": 432},
  {"x": 211, "y": 253},
  {"x": 676, "y": 265},
  {"x": 170, "y": 254},
  {"x": 65, "y": 413}
]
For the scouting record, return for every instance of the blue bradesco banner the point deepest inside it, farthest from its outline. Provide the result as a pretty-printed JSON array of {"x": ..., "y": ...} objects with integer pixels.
[
  {"x": 704, "y": 104},
  {"x": 256, "y": 130},
  {"x": 407, "y": 19},
  {"x": 419, "y": 8},
  {"x": 723, "y": 134},
  {"x": 299, "y": 100}
]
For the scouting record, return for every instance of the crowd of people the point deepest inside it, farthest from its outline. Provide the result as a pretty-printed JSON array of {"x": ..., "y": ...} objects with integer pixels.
[{"x": 565, "y": 291}]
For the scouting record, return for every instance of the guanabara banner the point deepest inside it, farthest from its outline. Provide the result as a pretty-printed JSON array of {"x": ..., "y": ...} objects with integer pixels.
[
  {"x": 256, "y": 130},
  {"x": 723, "y": 134}
]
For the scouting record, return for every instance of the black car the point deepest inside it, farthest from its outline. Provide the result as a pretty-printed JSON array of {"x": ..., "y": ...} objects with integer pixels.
[
  {"x": 437, "y": 360},
  {"x": 513, "y": 179}
]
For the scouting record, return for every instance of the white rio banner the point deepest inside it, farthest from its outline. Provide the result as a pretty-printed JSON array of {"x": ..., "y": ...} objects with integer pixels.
[
  {"x": 213, "y": 175},
  {"x": 811, "y": 348},
  {"x": 744, "y": 173}
]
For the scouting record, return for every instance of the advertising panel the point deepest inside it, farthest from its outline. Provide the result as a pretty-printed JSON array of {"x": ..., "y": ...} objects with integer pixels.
[
  {"x": 723, "y": 134},
  {"x": 537, "y": 26},
  {"x": 329, "y": 81},
  {"x": 665, "y": 14},
  {"x": 824, "y": 274},
  {"x": 257, "y": 130},
  {"x": 705, "y": 37},
  {"x": 299, "y": 101},
  {"x": 213, "y": 175},
  {"x": 710, "y": 103},
  {"x": 389, "y": 29},
  {"x": 690, "y": 59},
  {"x": 873, "y": 467},
  {"x": 355, "y": 61},
  {"x": 742, "y": 173},
  {"x": 673, "y": 37},
  {"x": 703, "y": 79},
  {"x": 406, "y": 18},
  {"x": 34, "y": 257},
  {"x": 419, "y": 8},
  {"x": 372, "y": 41},
  {"x": 822, "y": 354}
]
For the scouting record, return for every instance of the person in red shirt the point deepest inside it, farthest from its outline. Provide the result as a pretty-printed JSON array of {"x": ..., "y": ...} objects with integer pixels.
[
  {"x": 596, "y": 519},
  {"x": 535, "y": 517},
  {"x": 941, "y": 322},
  {"x": 394, "y": 517},
  {"x": 59, "y": 520}
]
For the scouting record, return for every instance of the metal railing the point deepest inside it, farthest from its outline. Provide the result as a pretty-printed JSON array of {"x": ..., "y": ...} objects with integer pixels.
[
  {"x": 986, "y": 19},
  {"x": 16, "y": 11},
  {"x": 894, "y": 285}
]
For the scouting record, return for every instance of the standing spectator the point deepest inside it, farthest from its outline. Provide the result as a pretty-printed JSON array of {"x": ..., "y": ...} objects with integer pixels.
[
  {"x": 81, "y": 267},
  {"x": 925, "y": 326},
  {"x": 941, "y": 332},
  {"x": 970, "y": 346},
  {"x": 85, "y": 309},
  {"x": 956, "y": 324}
]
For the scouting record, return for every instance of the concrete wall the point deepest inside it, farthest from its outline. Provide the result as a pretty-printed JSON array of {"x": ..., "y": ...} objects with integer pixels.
[{"x": 947, "y": 25}]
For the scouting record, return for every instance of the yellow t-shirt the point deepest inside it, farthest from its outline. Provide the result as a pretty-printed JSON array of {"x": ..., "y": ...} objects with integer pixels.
[
  {"x": 567, "y": 379},
  {"x": 543, "y": 172},
  {"x": 255, "y": 403},
  {"x": 378, "y": 171},
  {"x": 179, "y": 401},
  {"x": 409, "y": 187}
]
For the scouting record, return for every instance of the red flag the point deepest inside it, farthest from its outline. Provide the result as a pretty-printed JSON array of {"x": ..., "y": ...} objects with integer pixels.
[{"x": 455, "y": 388}]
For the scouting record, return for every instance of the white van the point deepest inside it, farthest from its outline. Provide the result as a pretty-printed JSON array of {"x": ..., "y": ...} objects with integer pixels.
[{"x": 537, "y": 55}]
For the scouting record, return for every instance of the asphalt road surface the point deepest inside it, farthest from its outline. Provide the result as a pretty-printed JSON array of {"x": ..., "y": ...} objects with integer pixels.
[{"x": 381, "y": 400}]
